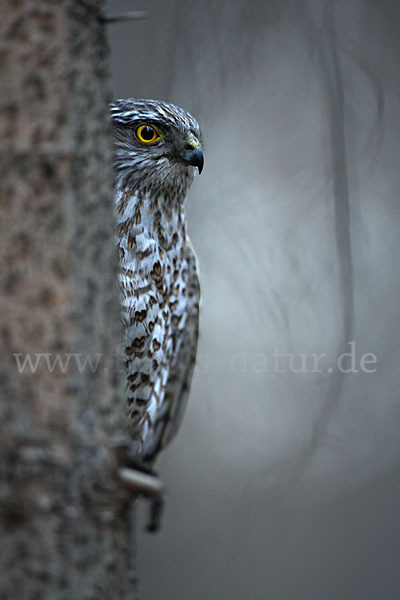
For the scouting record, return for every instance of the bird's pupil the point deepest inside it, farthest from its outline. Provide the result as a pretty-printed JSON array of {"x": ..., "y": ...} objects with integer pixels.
[{"x": 147, "y": 133}]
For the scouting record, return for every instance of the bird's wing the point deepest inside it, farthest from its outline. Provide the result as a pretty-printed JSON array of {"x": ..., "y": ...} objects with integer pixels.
[{"x": 181, "y": 371}]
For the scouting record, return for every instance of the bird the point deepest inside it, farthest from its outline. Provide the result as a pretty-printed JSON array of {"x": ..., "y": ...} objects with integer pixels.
[{"x": 158, "y": 149}]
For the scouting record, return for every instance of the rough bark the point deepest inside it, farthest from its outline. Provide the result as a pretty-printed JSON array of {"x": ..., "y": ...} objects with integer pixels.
[{"x": 64, "y": 517}]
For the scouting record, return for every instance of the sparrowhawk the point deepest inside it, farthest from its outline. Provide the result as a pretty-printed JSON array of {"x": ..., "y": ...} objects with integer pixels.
[{"x": 158, "y": 148}]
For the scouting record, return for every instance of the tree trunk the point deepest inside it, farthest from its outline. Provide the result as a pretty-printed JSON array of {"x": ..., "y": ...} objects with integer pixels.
[{"x": 65, "y": 518}]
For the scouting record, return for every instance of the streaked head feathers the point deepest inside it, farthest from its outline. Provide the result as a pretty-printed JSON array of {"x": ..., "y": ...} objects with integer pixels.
[{"x": 157, "y": 146}]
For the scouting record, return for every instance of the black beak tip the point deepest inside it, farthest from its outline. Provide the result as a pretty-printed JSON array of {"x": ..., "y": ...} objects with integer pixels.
[
  {"x": 200, "y": 164},
  {"x": 195, "y": 159}
]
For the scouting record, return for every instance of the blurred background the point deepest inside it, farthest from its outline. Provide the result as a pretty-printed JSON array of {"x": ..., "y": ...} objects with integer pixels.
[{"x": 283, "y": 482}]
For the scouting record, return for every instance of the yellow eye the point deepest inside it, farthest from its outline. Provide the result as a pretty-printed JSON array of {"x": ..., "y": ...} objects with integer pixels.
[{"x": 147, "y": 134}]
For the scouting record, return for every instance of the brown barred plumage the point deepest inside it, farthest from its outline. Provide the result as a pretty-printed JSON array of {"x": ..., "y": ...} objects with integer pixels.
[{"x": 158, "y": 279}]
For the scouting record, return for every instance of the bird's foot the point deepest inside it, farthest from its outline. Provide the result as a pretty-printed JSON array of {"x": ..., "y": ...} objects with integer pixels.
[{"x": 142, "y": 481}]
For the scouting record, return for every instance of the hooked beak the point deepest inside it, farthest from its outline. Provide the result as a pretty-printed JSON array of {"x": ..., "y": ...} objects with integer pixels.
[{"x": 194, "y": 154}]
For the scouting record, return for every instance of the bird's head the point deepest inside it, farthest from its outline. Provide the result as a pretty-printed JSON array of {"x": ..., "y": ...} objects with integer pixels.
[{"x": 157, "y": 146}]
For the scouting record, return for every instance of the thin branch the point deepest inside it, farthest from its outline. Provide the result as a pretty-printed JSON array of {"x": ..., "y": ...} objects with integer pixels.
[
  {"x": 141, "y": 483},
  {"x": 132, "y": 15}
]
